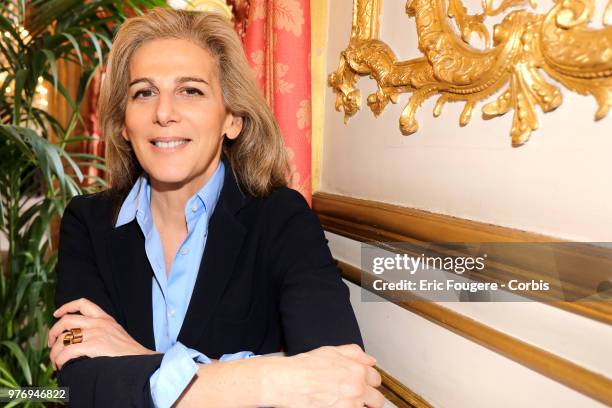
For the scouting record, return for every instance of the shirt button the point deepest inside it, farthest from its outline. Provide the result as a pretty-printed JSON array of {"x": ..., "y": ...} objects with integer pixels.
[
  {"x": 194, "y": 208},
  {"x": 184, "y": 251},
  {"x": 171, "y": 313}
]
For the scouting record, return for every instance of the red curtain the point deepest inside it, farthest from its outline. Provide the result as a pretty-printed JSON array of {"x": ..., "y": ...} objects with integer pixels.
[{"x": 277, "y": 45}]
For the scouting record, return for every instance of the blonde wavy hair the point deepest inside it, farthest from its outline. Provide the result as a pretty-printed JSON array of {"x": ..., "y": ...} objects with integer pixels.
[{"x": 257, "y": 156}]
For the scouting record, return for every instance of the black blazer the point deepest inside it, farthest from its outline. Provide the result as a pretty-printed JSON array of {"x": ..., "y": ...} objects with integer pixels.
[{"x": 267, "y": 282}]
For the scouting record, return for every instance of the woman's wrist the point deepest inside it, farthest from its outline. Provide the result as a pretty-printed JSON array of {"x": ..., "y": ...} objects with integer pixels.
[
  {"x": 243, "y": 383},
  {"x": 273, "y": 374}
]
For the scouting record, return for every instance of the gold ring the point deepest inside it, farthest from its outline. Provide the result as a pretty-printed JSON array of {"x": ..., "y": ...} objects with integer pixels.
[
  {"x": 74, "y": 336},
  {"x": 67, "y": 338},
  {"x": 77, "y": 335}
]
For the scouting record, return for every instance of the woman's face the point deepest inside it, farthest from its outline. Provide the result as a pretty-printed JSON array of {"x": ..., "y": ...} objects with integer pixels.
[{"x": 175, "y": 117}]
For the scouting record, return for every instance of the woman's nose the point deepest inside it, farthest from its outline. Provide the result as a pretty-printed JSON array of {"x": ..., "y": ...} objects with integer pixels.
[{"x": 166, "y": 111}]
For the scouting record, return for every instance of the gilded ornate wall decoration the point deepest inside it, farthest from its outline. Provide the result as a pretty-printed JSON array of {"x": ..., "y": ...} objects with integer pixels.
[
  {"x": 521, "y": 48},
  {"x": 217, "y": 6}
]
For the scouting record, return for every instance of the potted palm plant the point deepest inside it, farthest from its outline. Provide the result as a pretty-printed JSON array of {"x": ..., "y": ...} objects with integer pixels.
[{"x": 38, "y": 171}]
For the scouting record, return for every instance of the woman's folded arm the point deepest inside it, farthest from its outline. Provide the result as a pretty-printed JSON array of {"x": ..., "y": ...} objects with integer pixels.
[
  {"x": 314, "y": 301},
  {"x": 98, "y": 381},
  {"x": 109, "y": 381},
  {"x": 335, "y": 377}
]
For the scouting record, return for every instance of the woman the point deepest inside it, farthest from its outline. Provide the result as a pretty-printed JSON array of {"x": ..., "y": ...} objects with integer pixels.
[{"x": 198, "y": 248}]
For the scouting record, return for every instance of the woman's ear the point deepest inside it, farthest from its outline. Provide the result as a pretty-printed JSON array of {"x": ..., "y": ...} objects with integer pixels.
[{"x": 233, "y": 126}]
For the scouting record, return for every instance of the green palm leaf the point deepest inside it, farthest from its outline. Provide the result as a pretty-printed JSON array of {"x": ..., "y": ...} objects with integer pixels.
[{"x": 21, "y": 358}]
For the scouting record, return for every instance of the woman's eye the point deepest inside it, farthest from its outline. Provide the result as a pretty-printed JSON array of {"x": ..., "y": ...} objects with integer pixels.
[
  {"x": 193, "y": 91},
  {"x": 143, "y": 92}
]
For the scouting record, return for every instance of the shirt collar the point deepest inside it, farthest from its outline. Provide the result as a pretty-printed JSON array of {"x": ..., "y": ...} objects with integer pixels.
[{"x": 137, "y": 202}]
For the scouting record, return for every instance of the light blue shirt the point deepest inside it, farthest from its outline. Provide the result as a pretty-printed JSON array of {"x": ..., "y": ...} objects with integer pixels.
[{"x": 171, "y": 293}]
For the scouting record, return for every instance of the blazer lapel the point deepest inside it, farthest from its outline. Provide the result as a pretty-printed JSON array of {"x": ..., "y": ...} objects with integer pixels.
[
  {"x": 225, "y": 237},
  {"x": 133, "y": 277}
]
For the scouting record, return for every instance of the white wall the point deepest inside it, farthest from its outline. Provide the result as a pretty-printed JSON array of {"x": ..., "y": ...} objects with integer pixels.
[
  {"x": 450, "y": 371},
  {"x": 557, "y": 184}
]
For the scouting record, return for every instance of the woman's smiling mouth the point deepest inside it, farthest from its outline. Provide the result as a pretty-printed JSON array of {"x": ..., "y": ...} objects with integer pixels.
[{"x": 169, "y": 144}]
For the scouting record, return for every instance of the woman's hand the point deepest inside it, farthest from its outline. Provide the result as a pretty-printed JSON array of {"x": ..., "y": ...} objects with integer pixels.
[
  {"x": 102, "y": 335},
  {"x": 337, "y": 377}
]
